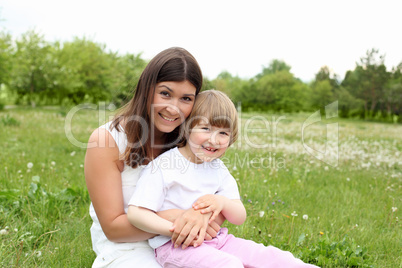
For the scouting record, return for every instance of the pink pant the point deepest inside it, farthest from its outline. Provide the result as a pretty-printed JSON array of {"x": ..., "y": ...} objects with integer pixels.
[{"x": 227, "y": 251}]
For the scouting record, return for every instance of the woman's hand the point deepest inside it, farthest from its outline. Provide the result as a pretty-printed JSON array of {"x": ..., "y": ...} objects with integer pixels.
[
  {"x": 190, "y": 228},
  {"x": 212, "y": 229}
]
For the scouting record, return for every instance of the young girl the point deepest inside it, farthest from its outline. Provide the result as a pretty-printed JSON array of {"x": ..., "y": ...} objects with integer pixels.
[
  {"x": 117, "y": 151},
  {"x": 194, "y": 176}
]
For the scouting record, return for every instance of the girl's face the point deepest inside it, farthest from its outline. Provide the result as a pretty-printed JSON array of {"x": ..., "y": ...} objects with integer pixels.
[
  {"x": 172, "y": 104},
  {"x": 206, "y": 143}
]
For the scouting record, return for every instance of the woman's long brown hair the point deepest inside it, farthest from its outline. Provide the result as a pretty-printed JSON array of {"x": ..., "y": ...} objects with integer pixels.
[{"x": 173, "y": 64}]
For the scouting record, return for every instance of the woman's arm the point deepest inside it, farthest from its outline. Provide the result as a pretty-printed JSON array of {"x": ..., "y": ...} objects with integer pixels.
[{"x": 103, "y": 179}]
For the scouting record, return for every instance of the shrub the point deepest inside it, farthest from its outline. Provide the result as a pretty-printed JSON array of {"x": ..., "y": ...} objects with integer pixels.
[{"x": 8, "y": 120}]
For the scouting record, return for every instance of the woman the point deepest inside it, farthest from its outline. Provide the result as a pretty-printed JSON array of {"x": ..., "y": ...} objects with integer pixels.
[{"x": 117, "y": 151}]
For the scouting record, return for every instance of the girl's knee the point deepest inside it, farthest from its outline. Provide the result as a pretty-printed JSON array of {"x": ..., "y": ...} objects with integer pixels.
[{"x": 232, "y": 262}]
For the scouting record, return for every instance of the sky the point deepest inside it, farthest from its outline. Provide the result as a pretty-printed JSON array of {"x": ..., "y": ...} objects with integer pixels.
[{"x": 240, "y": 37}]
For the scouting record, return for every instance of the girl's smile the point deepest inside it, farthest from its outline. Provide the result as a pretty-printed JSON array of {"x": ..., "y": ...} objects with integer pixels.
[{"x": 206, "y": 143}]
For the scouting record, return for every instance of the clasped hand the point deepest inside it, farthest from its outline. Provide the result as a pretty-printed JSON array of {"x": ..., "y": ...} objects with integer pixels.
[{"x": 198, "y": 223}]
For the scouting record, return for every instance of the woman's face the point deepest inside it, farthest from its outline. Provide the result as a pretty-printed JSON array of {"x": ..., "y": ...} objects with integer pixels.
[{"x": 172, "y": 104}]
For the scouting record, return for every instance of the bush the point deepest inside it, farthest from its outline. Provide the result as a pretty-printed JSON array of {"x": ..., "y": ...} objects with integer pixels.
[{"x": 8, "y": 120}]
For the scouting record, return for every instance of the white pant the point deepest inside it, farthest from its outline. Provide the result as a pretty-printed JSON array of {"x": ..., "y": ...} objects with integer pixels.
[{"x": 138, "y": 257}]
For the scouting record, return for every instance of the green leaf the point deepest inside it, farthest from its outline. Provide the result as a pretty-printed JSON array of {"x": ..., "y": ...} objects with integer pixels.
[
  {"x": 36, "y": 179},
  {"x": 301, "y": 239}
]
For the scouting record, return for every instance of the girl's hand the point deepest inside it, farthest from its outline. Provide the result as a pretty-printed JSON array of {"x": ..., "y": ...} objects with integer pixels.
[
  {"x": 210, "y": 203},
  {"x": 190, "y": 226}
]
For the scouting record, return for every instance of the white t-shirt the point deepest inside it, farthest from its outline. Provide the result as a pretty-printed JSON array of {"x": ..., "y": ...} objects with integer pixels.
[{"x": 172, "y": 182}]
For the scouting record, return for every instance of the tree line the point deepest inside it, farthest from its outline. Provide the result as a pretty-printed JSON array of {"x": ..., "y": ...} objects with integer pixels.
[
  {"x": 370, "y": 91},
  {"x": 34, "y": 71}
]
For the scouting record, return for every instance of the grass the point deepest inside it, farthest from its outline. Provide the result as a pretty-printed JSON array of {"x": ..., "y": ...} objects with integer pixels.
[{"x": 343, "y": 215}]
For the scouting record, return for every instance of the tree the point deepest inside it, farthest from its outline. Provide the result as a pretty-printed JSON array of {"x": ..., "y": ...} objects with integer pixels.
[
  {"x": 273, "y": 67},
  {"x": 276, "y": 91},
  {"x": 31, "y": 70},
  {"x": 393, "y": 93},
  {"x": 321, "y": 94},
  {"x": 367, "y": 81},
  {"x": 231, "y": 85},
  {"x": 324, "y": 74},
  {"x": 85, "y": 71},
  {"x": 6, "y": 51},
  {"x": 126, "y": 72}
]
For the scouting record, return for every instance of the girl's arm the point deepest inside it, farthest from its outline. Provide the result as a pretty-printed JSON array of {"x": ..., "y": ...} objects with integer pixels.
[
  {"x": 148, "y": 221},
  {"x": 232, "y": 209}
]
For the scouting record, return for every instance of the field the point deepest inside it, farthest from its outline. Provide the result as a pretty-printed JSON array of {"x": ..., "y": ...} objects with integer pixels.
[{"x": 340, "y": 210}]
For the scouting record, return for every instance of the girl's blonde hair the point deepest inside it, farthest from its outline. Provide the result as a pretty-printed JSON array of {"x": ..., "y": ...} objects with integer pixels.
[{"x": 214, "y": 108}]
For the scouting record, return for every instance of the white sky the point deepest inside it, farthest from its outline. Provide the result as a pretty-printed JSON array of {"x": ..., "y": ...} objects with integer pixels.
[{"x": 238, "y": 36}]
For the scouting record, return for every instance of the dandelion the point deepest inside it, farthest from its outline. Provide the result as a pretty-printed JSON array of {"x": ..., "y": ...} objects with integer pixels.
[
  {"x": 321, "y": 233},
  {"x": 305, "y": 217},
  {"x": 53, "y": 163},
  {"x": 269, "y": 235},
  {"x": 294, "y": 214},
  {"x": 29, "y": 165},
  {"x": 261, "y": 214},
  {"x": 394, "y": 209}
]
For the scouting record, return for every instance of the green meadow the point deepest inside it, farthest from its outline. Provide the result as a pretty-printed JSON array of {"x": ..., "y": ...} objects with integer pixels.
[{"x": 330, "y": 192}]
